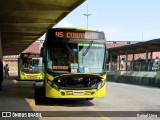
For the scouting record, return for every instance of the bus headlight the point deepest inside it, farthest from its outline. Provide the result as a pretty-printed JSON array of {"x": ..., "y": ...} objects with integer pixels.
[
  {"x": 49, "y": 82},
  {"x": 101, "y": 84},
  {"x": 23, "y": 73},
  {"x": 55, "y": 86}
]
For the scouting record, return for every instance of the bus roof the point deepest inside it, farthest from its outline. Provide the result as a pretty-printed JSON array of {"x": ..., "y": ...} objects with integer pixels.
[{"x": 68, "y": 28}]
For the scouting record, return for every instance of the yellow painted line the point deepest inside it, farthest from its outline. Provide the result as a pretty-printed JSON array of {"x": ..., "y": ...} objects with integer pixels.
[
  {"x": 31, "y": 102},
  {"x": 102, "y": 116},
  {"x": 15, "y": 81}
]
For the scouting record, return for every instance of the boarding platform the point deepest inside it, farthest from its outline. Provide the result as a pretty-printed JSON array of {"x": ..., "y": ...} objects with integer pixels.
[{"x": 147, "y": 78}]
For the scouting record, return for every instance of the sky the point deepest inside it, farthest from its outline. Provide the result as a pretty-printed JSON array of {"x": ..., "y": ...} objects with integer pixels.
[{"x": 121, "y": 20}]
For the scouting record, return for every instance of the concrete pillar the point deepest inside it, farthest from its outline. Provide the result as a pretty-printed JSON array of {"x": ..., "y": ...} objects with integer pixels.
[{"x": 1, "y": 55}]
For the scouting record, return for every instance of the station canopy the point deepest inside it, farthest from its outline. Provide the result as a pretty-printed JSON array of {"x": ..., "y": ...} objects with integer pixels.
[
  {"x": 140, "y": 47},
  {"x": 23, "y": 21}
]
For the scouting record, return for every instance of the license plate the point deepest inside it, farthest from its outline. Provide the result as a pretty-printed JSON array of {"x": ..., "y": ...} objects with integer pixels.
[
  {"x": 78, "y": 93},
  {"x": 32, "y": 77}
]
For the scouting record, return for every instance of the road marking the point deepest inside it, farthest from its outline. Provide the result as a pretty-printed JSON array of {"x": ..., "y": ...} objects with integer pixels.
[
  {"x": 31, "y": 102},
  {"x": 15, "y": 81},
  {"x": 102, "y": 116}
]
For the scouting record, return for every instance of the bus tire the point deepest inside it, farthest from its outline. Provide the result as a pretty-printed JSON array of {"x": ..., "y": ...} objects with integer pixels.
[{"x": 39, "y": 92}]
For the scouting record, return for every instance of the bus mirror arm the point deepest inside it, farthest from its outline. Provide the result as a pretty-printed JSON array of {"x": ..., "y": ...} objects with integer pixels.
[
  {"x": 44, "y": 61},
  {"x": 106, "y": 54},
  {"x": 41, "y": 53}
]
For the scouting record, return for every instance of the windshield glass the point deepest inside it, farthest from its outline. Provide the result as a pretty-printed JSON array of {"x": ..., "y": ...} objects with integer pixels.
[
  {"x": 31, "y": 65},
  {"x": 36, "y": 64},
  {"x": 77, "y": 58},
  {"x": 91, "y": 57}
]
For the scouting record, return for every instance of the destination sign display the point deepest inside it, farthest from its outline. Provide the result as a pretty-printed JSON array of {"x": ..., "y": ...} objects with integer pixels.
[
  {"x": 29, "y": 55},
  {"x": 61, "y": 67},
  {"x": 78, "y": 35}
]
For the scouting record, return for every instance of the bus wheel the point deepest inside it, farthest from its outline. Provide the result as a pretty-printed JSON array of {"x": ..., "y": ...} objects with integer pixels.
[{"x": 39, "y": 92}]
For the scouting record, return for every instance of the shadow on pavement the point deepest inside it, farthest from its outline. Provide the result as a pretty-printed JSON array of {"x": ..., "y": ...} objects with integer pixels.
[
  {"x": 66, "y": 102},
  {"x": 13, "y": 98}
]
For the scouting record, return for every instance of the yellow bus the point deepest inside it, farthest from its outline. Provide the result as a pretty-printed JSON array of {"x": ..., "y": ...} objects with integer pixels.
[
  {"x": 30, "y": 66},
  {"x": 74, "y": 64}
]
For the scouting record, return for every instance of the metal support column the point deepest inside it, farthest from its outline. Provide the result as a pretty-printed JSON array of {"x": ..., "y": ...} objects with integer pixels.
[
  {"x": 126, "y": 61},
  {"x": 151, "y": 61},
  {"x": 133, "y": 62},
  {"x": 147, "y": 67},
  {"x": 119, "y": 62},
  {"x": 110, "y": 62},
  {"x": 151, "y": 56}
]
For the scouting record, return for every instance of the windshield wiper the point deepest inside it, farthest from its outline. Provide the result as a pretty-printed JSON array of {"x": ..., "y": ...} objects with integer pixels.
[
  {"x": 71, "y": 52},
  {"x": 90, "y": 44}
]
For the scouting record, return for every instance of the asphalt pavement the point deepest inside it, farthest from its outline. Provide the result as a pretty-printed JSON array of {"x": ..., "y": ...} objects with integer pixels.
[{"x": 122, "y": 102}]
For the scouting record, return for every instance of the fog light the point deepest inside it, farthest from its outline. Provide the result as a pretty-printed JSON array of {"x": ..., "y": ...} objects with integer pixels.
[
  {"x": 92, "y": 93},
  {"x": 62, "y": 93}
]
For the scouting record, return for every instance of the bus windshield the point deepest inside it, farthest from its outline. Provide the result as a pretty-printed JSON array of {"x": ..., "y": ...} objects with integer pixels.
[
  {"x": 77, "y": 57},
  {"x": 91, "y": 57},
  {"x": 36, "y": 64},
  {"x": 32, "y": 65}
]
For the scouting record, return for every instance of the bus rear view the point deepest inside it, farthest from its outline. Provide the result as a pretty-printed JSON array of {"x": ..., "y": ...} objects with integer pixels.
[{"x": 74, "y": 63}]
